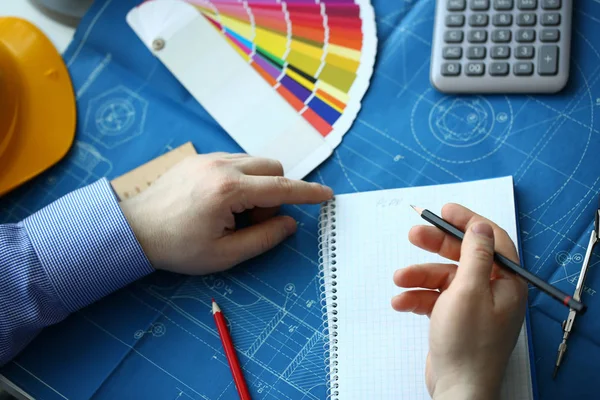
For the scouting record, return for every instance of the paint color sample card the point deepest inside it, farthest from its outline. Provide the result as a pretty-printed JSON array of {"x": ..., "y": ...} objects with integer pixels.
[{"x": 284, "y": 78}]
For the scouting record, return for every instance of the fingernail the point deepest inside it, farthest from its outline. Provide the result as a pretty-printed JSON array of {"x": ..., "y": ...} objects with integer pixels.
[
  {"x": 328, "y": 190},
  {"x": 290, "y": 226},
  {"x": 483, "y": 229}
]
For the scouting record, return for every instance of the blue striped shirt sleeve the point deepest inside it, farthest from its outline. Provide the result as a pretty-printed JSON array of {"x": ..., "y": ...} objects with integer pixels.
[{"x": 62, "y": 258}]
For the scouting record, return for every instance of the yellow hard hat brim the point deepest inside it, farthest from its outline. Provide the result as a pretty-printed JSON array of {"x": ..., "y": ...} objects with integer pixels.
[{"x": 37, "y": 103}]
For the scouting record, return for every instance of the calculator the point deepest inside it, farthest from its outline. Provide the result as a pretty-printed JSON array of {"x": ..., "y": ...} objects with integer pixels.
[{"x": 501, "y": 46}]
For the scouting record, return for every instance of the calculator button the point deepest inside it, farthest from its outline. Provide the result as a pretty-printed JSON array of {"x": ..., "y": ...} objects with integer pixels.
[
  {"x": 480, "y": 5},
  {"x": 526, "y": 19},
  {"x": 477, "y": 36},
  {"x": 451, "y": 69},
  {"x": 500, "y": 52},
  {"x": 548, "y": 60},
  {"x": 453, "y": 36},
  {"x": 525, "y": 35},
  {"x": 523, "y": 69},
  {"x": 501, "y": 36},
  {"x": 502, "y": 20},
  {"x": 499, "y": 69},
  {"x": 478, "y": 20},
  {"x": 551, "y": 19},
  {"x": 551, "y": 4},
  {"x": 452, "y": 53},
  {"x": 549, "y": 35},
  {"x": 456, "y": 5},
  {"x": 527, "y": 4},
  {"x": 455, "y": 20},
  {"x": 524, "y": 52},
  {"x": 476, "y": 53},
  {"x": 475, "y": 69},
  {"x": 503, "y": 4}
]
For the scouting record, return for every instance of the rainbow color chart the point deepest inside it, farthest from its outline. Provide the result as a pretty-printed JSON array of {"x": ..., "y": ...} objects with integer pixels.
[
  {"x": 314, "y": 67},
  {"x": 266, "y": 65}
]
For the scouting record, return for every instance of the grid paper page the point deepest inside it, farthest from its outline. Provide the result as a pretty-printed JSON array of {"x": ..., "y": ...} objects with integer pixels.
[{"x": 381, "y": 352}]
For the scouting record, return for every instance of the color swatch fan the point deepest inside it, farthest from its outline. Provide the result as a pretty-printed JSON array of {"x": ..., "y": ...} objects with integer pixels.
[{"x": 285, "y": 78}]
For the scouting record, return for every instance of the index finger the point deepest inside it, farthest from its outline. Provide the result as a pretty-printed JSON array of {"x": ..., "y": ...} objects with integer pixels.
[
  {"x": 434, "y": 240},
  {"x": 273, "y": 191}
]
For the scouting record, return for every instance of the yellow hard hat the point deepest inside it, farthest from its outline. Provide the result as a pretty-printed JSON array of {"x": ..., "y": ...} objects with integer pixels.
[{"x": 37, "y": 103}]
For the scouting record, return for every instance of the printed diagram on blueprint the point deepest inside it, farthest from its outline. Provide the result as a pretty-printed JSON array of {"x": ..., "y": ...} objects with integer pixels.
[
  {"x": 157, "y": 337},
  {"x": 276, "y": 330},
  {"x": 115, "y": 117}
]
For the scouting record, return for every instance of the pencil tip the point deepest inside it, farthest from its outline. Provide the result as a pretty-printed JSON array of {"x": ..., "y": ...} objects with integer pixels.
[
  {"x": 417, "y": 209},
  {"x": 215, "y": 307}
]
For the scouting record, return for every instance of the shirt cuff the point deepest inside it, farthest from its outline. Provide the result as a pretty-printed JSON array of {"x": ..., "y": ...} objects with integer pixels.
[{"x": 85, "y": 245}]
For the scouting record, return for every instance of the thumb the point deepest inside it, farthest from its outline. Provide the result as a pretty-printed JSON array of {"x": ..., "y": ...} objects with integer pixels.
[
  {"x": 257, "y": 239},
  {"x": 476, "y": 256}
]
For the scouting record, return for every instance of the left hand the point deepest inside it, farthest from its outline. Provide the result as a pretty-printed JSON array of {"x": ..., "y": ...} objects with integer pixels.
[{"x": 185, "y": 221}]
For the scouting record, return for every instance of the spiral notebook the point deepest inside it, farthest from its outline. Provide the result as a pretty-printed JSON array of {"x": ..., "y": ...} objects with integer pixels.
[{"x": 373, "y": 351}]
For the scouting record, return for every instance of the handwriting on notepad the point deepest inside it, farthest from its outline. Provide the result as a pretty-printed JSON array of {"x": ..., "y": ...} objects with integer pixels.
[{"x": 387, "y": 202}]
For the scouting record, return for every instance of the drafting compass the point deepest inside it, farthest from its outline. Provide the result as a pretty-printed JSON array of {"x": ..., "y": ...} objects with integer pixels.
[{"x": 567, "y": 325}]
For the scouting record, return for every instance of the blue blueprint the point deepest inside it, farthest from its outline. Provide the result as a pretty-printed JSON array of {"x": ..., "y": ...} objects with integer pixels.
[{"x": 157, "y": 339}]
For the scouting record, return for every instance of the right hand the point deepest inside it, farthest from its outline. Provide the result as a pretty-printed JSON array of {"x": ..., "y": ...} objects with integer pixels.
[{"x": 476, "y": 309}]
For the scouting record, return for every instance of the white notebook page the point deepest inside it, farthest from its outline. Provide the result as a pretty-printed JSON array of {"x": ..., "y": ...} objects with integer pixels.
[{"x": 382, "y": 352}]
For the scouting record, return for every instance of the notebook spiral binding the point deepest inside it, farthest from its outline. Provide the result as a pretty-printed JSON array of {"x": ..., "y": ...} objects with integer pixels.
[{"x": 328, "y": 297}]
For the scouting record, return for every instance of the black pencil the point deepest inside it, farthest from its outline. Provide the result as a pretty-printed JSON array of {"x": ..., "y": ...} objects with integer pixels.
[{"x": 545, "y": 287}]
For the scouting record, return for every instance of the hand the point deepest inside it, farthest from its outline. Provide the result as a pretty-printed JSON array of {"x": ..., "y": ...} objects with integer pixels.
[
  {"x": 185, "y": 221},
  {"x": 476, "y": 309}
]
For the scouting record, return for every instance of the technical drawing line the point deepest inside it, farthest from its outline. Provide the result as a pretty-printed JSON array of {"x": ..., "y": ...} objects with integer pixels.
[
  {"x": 320, "y": 176},
  {"x": 39, "y": 379},
  {"x": 265, "y": 367},
  {"x": 339, "y": 161},
  {"x": 251, "y": 290},
  {"x": 557, "y": 233},
  {"x": 265, "y": 283},
  {"x": 182, "y": 393},
  {"x": 555, "y": 128},
  {"x": 298, "y": 208},
  {"x": 345, "y": 168},
  {"x": 186, "y": 314},
  {"x": 257, "y": 378},
  {"x": 312, "y": 310},
  {"x": 569, "y": 276},
  {"x": 393, "y": 139},
  {"x": 319, "y": 335},
  {"x": 300, "y": 356},
  {"x": 87, "y": 33},
  {"x": 576, "y": 168},
  {"x": 562, "y": 114},
  {"x": 350, "y": 149},
  {"x": 302, "y": 254},
  {"x": 578, "y": 216},
  {"x": 306, "y": 231},
  {"x": 266, "y": 332},
  {"x": 356, "y": 135},
  {"x": 94, "y": 75},
  {"x": 200, "y": 324},
  {"x": 133, "y": 349},
  {"x": 565, "y": 214}
]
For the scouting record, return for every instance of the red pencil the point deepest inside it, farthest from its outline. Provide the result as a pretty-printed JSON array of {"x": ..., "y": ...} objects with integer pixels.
[{"x": 234, "y": 364}]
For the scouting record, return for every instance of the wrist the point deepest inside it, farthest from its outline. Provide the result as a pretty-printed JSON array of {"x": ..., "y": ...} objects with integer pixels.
[
  {"x": 452, "y": 389},
  {"x": 137, "y": 224}
]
